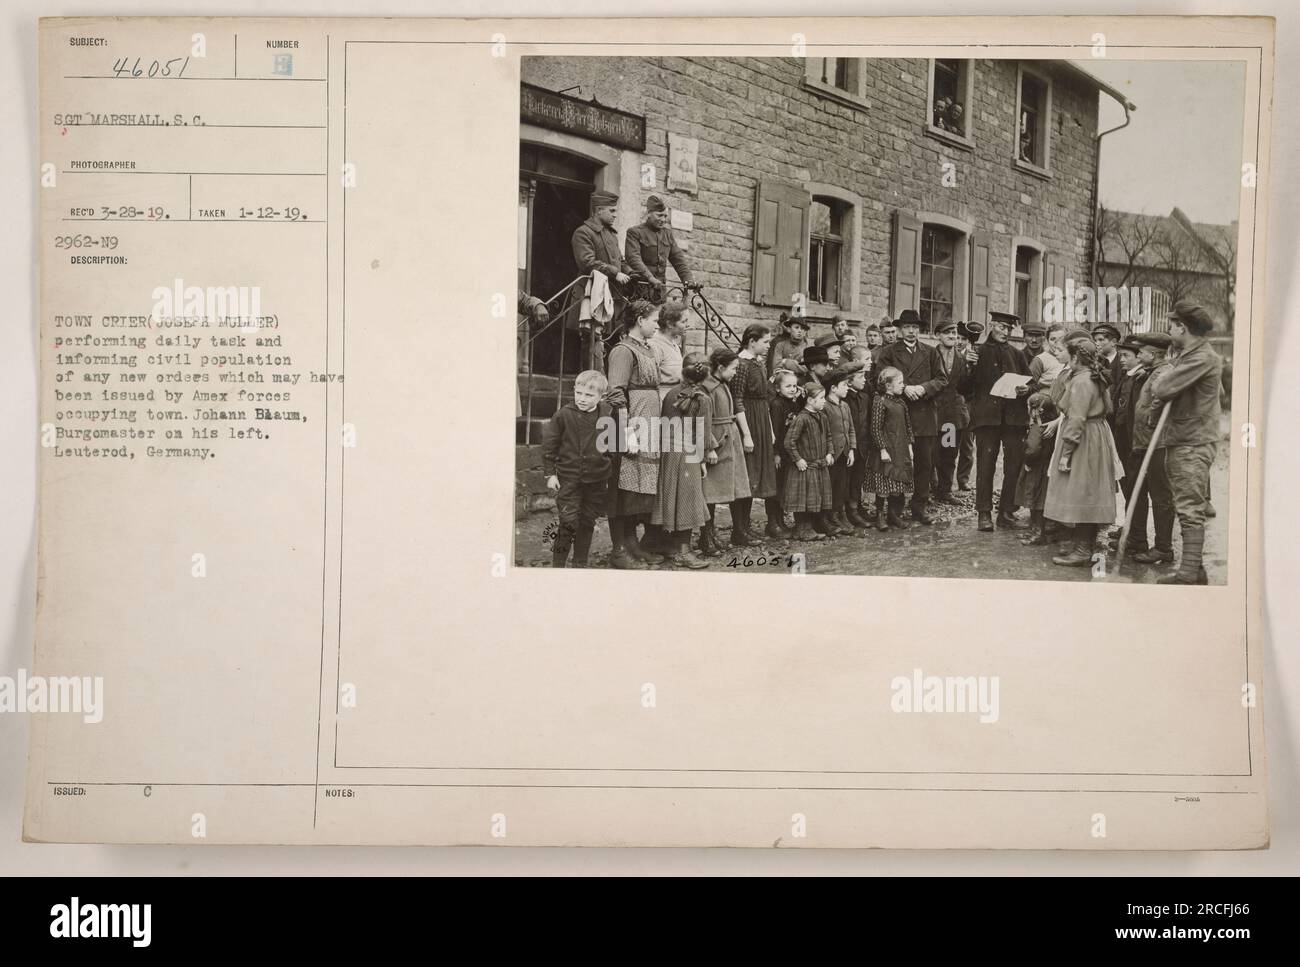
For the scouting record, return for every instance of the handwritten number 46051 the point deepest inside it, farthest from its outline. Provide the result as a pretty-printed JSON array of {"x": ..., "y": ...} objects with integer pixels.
[
  {"x": 126, "y": 67},
  {"x": 775, "y": 561}
]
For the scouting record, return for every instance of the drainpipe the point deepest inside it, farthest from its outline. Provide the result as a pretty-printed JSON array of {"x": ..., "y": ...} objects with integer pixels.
[{"x": 1096, "y": 185}]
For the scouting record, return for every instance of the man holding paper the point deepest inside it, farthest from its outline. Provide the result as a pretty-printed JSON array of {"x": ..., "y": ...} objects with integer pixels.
[{"x": 997, "y": 384}]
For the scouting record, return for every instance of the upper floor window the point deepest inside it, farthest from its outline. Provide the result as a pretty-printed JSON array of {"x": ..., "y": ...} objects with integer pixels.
[
  {"x": 1033, "y": 113},
  {"x": 840, "y": 78},
  {"x": 949, "y": 103}
]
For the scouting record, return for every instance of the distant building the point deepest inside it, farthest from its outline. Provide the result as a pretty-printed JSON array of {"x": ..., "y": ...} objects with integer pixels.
[{"x": 1178, "y": 258}]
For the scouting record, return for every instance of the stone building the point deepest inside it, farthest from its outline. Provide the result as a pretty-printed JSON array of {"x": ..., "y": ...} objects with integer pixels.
[{"x": 858, "y": 186}]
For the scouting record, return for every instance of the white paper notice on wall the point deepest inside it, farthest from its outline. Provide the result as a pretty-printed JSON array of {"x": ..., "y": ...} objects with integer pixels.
[
  {"x": 683, "y": 158},
  {"x": 681, "y": 221}
]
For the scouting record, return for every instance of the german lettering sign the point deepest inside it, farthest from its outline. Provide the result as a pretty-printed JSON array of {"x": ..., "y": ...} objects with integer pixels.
[{"x": 587, "y": 118}]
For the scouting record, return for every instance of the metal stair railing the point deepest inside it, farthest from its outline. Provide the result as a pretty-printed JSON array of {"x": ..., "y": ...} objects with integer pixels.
[
  {"x": 565, "y": 303},
  {"x": 564, "y": 307}
]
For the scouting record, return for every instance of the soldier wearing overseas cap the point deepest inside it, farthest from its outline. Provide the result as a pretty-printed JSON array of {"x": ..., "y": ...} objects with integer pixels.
[
  {"x": 651, "y": 247},
  {"x": 1190, "y": 385},
  {"x": 595, "y": 249}
]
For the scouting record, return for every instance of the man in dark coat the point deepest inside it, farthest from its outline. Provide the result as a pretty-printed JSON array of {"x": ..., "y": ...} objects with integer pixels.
[
  {"x": 595, "y": 249},
  {"x": 651, "y": 247},
  {"x": 968, "y": 334},
  {"x": 1107, "y": 339},
  {"x": 1191, "y": 387},
  {"x": 1124, "y": 395},
  {"x": 952, "y": 412},
  {"x": 923, "y": 381},
  {"x": 998, "y": 422}
]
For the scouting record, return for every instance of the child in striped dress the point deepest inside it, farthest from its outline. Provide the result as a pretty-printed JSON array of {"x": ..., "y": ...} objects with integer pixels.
[{"x": 807, "y": 492}]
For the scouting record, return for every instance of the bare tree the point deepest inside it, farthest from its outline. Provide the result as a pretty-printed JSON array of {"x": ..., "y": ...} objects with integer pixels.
[
  {"x": 1125, "y": 238},
  {"x": 1178, "y": 256}
]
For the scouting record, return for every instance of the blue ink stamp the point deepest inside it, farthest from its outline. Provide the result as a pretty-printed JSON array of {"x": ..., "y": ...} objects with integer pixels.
[{"x": 282, "y": 65}]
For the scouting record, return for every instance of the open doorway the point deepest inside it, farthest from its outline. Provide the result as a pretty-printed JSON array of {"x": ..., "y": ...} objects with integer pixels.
[{"x": 556, "y": 189}]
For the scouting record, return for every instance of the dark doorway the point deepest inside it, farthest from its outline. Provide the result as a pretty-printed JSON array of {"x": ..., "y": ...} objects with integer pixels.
[{"x": 558, "y": 189}]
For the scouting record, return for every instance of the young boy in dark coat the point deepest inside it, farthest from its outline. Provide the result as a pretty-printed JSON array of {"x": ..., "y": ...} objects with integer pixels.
[{"x": 577, "y": 469}]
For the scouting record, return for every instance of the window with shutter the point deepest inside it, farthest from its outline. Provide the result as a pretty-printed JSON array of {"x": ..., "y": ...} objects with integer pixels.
[{"x": 781, "y": 226}]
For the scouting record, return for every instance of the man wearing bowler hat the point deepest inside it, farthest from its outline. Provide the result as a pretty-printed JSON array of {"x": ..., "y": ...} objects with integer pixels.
[
  {"x": 999, "y": 423},
  {"x": 923, "y": 381},
  {"x": 595, "y": 248},
  {"x": 651, "y": 247},
  {"x": 833, "y": 345},
  {"x": 818, "y": 362},
  {"x": 1190, "y": 385}
]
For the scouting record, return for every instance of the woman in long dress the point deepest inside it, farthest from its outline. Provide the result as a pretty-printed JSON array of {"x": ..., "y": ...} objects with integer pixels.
[
  {"x": 752, "y": 392},
  {"x": 634, "y": 395},
  {"x": 680, "y": 507},
  {"x": 726, "y": 479},
  {"x": 1084, "y": 465}
]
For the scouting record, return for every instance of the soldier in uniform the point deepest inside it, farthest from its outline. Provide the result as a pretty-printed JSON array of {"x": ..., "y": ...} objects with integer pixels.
[
  {"x": 650, "y": 248},
  {"x": 1190, "y": 385},
  {"x": 595, "y": 248}
]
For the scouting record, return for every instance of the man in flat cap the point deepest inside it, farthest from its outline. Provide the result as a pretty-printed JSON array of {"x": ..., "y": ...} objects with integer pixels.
[
  {"x": 923, "y": 381},
  {"x": 968, "y": 334},
  {"x": 999, "y": 423},
  {"x": 1107, "y": 339},
  {"x": 789, "y": 345},
  {"x": 595, "y": 248},
  {"x": 1154, "y": 496},
  {"x": 952, "y": 411},
  {"x": 651, "y": 247},
  {"x": 1124, "y": 395},
  {"x": 1190, "y": 385}
]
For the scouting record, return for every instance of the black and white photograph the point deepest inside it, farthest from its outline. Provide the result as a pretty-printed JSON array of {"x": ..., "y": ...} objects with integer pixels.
[{"x": 935, "y": 317}]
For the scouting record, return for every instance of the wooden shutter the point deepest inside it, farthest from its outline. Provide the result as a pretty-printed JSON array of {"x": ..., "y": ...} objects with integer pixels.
[
  {"x": 905, "y": 271},
  {"x": 1055, "y": 269},
  {"x": 981, "y": 277},
  {"x": 781, "y": 226}
]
